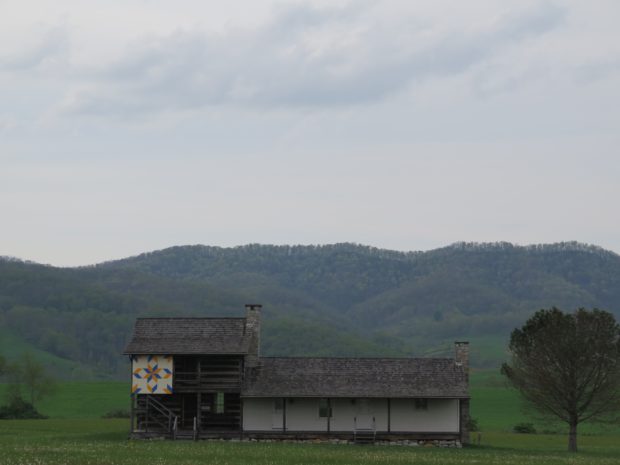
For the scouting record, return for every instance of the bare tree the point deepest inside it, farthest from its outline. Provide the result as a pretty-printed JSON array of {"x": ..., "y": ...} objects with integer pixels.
[
  {"x": 567, "y": 366},
  {"x": 31, "y": 374}
]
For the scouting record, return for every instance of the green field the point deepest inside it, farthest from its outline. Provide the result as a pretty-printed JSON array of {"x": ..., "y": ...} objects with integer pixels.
[
  {"x": 76, "y": 399},
  {"x": 498, "y": 408},
  {"x": 95, "y": 441},
  {"x": 12, "y": 347},
  {"x": 75, "y": 434}
]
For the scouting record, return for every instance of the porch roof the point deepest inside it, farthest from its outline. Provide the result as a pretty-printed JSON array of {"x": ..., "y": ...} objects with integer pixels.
[{"x": 356, "y": 377}]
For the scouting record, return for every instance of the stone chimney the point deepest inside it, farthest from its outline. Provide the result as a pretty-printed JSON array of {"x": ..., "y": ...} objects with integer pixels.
[
  {"x": 252, "y": 331},
  {"x": 461, "y": 355}
]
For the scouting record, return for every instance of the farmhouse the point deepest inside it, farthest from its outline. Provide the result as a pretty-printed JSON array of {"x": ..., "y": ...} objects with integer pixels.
[{"x": 205, "y": 378}]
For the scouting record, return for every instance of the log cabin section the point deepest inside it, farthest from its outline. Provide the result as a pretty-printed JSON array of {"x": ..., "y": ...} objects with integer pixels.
[
  {"x": 205, "y": 378},
  {"x": 187, "y": 374}
]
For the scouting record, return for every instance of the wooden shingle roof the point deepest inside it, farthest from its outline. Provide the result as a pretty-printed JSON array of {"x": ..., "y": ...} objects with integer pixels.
[
  {"x": 356, "y": 377},
  {"x": 188, "y": 336}
]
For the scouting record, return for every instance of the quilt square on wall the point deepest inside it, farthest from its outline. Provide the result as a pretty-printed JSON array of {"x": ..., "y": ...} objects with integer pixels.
[{"x": 151, "y": 374}]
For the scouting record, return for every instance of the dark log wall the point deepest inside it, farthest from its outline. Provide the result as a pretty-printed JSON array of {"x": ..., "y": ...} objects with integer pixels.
[
  {"x": 216, "y": 373},
  {"x": 464, "y": 420},
  {"x": 187, "y": 407},
  {"x": 228, "y": 419}
]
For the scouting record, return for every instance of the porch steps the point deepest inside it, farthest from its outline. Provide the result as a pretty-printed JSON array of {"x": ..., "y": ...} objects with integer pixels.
[
  {"x": 364, "y": 429},
  {"x": 364, "y": 437},
  {"x": 185, "y": 435}
]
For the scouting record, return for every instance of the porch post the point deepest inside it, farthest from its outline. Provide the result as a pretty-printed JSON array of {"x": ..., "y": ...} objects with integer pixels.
[
  {"x": 241, "y": 405},
  {"x": 199, "y": 411},
  {"x": 389, "y": 415},
  {"x": 329, "y": 414},
  {"x": 131, "y": 414},
  {"x": 284, "y": 414},
  {"x": 198, "y": 377}
]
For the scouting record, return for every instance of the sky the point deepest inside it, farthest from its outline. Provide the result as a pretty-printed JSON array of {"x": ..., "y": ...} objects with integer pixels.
[{"x": 135, "y": 125}]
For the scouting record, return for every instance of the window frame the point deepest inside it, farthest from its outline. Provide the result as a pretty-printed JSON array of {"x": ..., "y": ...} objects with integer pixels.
[
  {"x": 325, "y": 408},
  {"x": 420, "y": 404},
  {"x": 219, "y": 403}
]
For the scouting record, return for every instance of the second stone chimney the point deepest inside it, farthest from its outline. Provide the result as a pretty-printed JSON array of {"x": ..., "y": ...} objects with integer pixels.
[
  {"x": 252, "y": 331},
  {"x": 461, "y": 356}
]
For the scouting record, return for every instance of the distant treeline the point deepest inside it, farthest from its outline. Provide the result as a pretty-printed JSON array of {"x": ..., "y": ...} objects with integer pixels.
[{"x": 342, "y": 299}]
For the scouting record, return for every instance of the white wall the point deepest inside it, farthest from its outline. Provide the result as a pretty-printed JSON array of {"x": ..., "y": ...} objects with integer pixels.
[
  {"x": 344, "y": 411},
  {"x": 442, "y": 416},
  {"x": 257, "y": 414},
  {"x": 302, "y": 414}
]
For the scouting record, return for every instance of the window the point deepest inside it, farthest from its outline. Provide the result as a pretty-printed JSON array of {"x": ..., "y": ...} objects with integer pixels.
[
  {"x": 278, "y": 405},
  {"x": 363, "y": 406},
  {"x": 219, "y": 402},
  {"x": 421, "y": 404},
  {"x": 324, "y": 408}
]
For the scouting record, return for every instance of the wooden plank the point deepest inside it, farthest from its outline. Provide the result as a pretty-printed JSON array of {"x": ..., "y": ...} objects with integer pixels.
[{"x": 131, "y": 414}]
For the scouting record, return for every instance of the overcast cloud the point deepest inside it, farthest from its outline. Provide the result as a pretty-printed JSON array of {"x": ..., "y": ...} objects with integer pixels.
[
  {"x": 305, "y": 56},
  {"x": 127, "y": 126}
]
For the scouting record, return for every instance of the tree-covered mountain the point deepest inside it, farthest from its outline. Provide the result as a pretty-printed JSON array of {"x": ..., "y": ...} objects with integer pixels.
[{"x": 342, "y": 299}]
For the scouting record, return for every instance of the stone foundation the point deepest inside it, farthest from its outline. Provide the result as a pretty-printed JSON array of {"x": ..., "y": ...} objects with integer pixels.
[{"x": 403, "y": 442}]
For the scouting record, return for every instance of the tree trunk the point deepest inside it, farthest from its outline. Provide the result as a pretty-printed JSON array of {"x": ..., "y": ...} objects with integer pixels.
[{"x": 572, "y": 435}]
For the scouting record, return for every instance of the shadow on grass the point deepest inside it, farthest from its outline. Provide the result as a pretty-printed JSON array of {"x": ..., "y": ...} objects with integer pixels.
[
  {"x": 109, "y": 436},
  {"x": 604, "y": 451}
]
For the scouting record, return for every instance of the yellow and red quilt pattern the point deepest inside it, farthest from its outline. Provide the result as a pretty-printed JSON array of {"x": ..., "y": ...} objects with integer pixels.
[{"x": 151, "y": 374}]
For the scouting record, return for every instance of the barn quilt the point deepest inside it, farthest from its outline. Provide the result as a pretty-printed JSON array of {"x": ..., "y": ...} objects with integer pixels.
[{"x": 151, "y": 374}]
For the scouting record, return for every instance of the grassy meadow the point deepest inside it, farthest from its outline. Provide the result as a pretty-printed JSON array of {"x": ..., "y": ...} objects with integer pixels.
[
  {"x": 76, "y": 434},
  {"x": 94, "y": 441}
]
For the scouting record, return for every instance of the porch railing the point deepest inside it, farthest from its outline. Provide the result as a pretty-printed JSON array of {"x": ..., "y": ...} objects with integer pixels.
[
  {"x": 163, "y": 416},
  {"x": 364, "y": 430}
]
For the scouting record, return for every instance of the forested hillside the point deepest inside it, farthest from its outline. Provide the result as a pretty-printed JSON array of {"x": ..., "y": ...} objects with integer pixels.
[{"x": 342, "y": 299}]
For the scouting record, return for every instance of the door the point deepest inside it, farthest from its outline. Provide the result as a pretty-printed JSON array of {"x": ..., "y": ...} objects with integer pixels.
[
  {"x": 277, "y": 416},
  {"x": 189, "y": 410},
  {"x": 365, "y": 418}
]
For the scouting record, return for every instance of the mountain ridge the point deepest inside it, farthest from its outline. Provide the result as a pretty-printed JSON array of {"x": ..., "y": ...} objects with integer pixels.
[
  {"x": 336, "y": 299},
  {"x": 460, "y": 245},
  {"x": 404, "y": 254}
]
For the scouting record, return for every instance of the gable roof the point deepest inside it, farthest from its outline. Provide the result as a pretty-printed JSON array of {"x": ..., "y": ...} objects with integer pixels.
[
  {"x": 188, "y": 336},
  {"x": 356, "y": 377}
]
